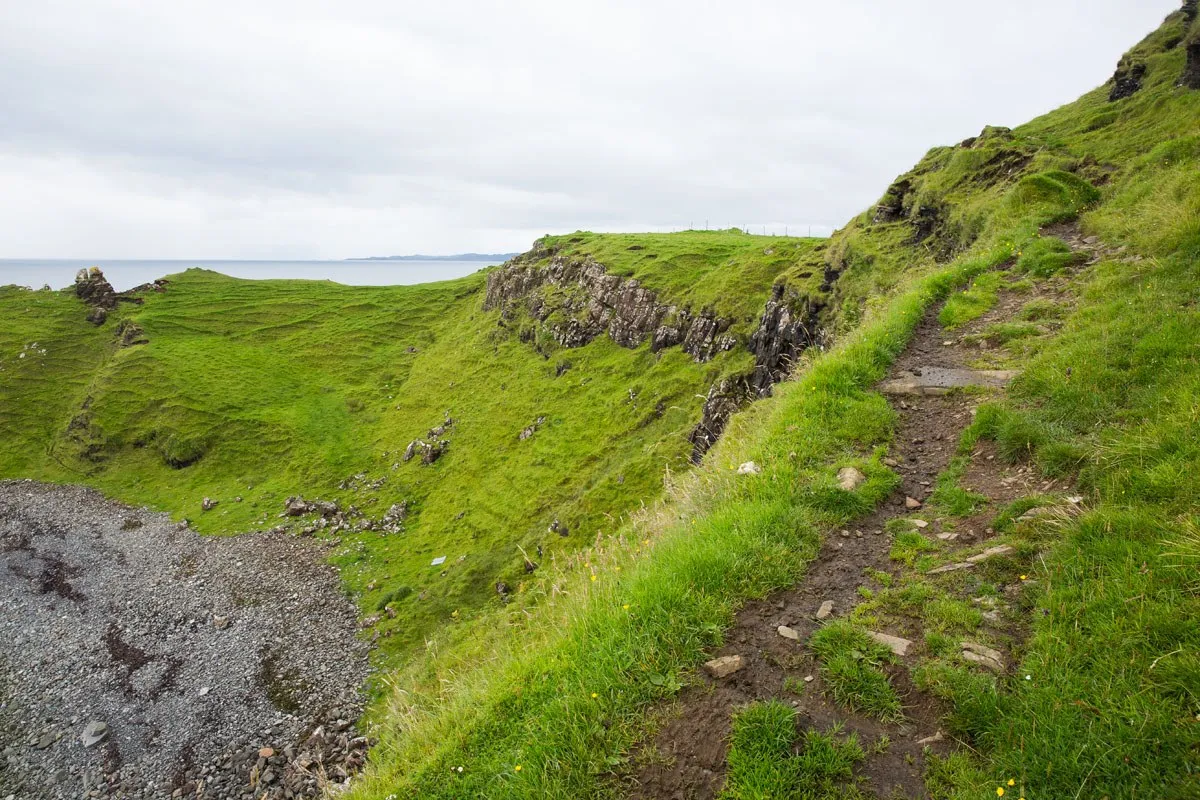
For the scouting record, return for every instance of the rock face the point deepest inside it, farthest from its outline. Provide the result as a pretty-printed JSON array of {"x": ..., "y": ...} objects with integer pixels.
[
  {"x": 723, "y": 399},
  {"x": 1127, "y": 80},
  {"x": 1191, "y": 8},
  {"x": 788, "y": 327},
  {"x": 1191, "y": 73},
  {"x": 596, "y": 302},
  {"x": 591, "y": 302},
  {"x": 94, "y": 289}
]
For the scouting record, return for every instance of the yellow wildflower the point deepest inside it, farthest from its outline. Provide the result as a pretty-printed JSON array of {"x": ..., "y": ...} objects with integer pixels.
[
  {"x": 1011, "y": 782},
  {"x": 999, "y": 791},
  {"x": 593, "y": 577},
  {"x": 594, "y": 695}
]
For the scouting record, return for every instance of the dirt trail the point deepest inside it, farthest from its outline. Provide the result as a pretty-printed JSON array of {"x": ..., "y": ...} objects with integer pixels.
[{"x": 687, "y": 759}]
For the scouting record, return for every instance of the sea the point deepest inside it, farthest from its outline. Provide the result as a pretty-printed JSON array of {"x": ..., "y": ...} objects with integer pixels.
[{"x": 123, "y": 275}]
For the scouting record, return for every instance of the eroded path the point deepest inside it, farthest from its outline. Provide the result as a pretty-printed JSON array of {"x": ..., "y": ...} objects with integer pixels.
[
  {"x": 687, "y": 760},
  {"x": 138, "y": 659}
]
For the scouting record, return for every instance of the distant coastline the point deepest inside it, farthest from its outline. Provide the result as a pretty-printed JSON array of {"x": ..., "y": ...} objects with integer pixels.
[{"x": 492, "y": 257}]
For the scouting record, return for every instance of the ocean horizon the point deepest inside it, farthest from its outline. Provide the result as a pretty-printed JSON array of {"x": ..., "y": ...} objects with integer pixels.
[{"x": 125, "y": 274}]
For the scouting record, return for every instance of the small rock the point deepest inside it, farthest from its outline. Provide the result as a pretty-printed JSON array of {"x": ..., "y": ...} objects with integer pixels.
[
  {"x": 947, "y": 537},
  {"x": 95, "y": 733},
  {"x": 937, "y": 737},
  {"x": 208, "y": 504},
  {"x": 850, "y": 479},
  {"x": 220, "y": 623},
  {"x": 45, "y": 740},
  {"x": 724, "y": 666},
  {"x": 808, "y": 678},
  {"x": 266, "y": 752},
  {"x": 920, "y": 523},
  {"x": 204, "y": 690},
  {"x": 749, "y": 468},
  {"x": 788, "y": 633},
  {"x": 912, "y": 502},
  {"x": 826, "y": 610},
  {"x": 898, "y": 645}
]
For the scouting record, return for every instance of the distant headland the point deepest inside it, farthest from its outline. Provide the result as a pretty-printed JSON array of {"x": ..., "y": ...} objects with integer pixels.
[{"x": 495, "y": 257}]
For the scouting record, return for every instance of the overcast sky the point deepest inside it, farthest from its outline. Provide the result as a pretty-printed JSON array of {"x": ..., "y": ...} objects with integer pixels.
[{"x": 294, "y": 129}]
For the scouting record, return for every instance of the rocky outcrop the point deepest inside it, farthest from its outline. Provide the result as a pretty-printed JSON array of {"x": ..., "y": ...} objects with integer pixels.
[
  {"x": 593, "y": 302},
  {"x": 788, "y": 327},
  {"x": 723, "y": 401},
  {"x": 94, "y": 289},
  {"x": 1191, "y": 9},
  {"x": 130, "y": 333},
  {"x": 1127, "y": 80}
]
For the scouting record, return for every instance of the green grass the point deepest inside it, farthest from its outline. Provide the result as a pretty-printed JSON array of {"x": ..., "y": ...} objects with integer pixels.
[
  {"x": 852, "y": 667},
  {"x": 764, "y": 764},
  {"x": 971, "y": 303}
]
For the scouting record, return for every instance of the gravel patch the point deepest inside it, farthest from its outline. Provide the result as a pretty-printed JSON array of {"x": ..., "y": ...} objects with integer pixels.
[{"x": 192, "y": 666}]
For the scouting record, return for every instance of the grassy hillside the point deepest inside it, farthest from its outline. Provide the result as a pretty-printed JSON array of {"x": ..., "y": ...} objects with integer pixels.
[
  {"x": 262, "y": 390},
  {"x": 551, "y": 698},
  {"x": 271, "y": 389}
]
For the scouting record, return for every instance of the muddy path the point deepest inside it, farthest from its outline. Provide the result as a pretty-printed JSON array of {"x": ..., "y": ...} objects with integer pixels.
[
  {"x": 138, "y": 659},
  {"x": 687, "y": 758}
]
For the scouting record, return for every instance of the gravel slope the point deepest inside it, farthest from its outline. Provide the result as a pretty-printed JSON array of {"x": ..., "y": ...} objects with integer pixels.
[{"x": 221, "y": 667}]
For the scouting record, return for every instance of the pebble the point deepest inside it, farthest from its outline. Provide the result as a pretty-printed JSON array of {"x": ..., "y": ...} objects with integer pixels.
[{"x": 826, "y": 610}]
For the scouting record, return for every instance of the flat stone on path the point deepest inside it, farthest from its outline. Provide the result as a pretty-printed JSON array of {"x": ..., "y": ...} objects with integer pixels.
[
  {"x": 788, "y": 633},
  {"x": 897, "y": 645},
  {"x": 724, "y": 666},
  {"x": 983, "y": 655},
  {"x": 939, "y": 380},
  {"x": 912, "y": 502},
  {"x": 951, "y": 568},
  {"x": 991, "y": 552},
  {"x": 826, "y": 610}
]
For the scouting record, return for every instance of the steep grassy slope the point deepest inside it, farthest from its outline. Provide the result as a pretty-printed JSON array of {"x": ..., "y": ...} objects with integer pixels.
[
  {"x": 261, "y": 390},
  {"x": 549, "y": 699}
]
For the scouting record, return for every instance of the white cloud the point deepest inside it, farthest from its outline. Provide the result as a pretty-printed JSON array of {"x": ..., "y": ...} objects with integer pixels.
[{"x": 304, "y": 129}]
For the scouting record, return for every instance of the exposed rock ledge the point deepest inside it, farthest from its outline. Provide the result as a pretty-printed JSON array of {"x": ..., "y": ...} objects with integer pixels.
[{"x": 596, "y": 302}]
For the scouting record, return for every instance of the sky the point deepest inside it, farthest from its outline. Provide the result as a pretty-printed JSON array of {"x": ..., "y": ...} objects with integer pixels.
[{"x": 294, "y": 129}]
